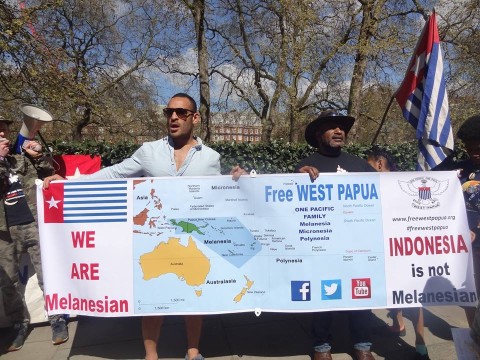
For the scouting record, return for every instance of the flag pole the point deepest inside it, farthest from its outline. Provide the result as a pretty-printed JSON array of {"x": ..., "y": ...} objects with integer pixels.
[{"x": 383, "y": 119}]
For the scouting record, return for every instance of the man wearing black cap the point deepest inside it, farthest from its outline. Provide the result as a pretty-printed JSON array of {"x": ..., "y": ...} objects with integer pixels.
[{"x": 328, "y": 133}]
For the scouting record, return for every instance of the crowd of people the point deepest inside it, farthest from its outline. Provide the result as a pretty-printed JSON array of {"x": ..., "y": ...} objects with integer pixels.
[{"x": 181, "y": 153}]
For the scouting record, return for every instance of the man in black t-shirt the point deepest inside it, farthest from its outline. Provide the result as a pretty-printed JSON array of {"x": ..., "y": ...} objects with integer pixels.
[{"x": 328, "y": 133}]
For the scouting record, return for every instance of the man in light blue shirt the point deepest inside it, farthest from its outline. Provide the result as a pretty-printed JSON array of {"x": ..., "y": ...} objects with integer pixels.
[
  {"x": 178, "y": 154},
  {"x": 158, "y": 158}
]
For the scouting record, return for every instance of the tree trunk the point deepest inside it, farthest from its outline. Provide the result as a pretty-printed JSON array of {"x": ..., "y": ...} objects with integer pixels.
[
  {"x": 199, "y": 16},
  {"x": 368, "y": 28},
  {"x": 292, "y": 128},
  {"x": 84, "y": 121},
  {"x": 267, "y": 123}
]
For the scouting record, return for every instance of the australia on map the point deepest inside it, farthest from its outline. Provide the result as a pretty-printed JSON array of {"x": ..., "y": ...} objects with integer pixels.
[{"x": 206, "y": 254}]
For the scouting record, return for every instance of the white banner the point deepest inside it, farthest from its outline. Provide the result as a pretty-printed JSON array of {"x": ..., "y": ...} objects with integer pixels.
[{"x": 266, "y": 243}]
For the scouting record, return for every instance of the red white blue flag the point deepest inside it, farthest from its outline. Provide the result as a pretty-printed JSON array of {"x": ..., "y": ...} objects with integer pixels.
[
  {"x": 423, "y": 99},
  {"x": 74, "y": 166},
  {"x": 85, "y": 202}
]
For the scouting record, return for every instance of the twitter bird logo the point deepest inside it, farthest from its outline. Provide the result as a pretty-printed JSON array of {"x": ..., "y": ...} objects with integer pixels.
[{"x": 331, "y": 289}]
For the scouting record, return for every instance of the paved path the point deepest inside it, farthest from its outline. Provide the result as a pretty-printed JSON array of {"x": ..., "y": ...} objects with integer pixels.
[{"x": 237, "y": 336}]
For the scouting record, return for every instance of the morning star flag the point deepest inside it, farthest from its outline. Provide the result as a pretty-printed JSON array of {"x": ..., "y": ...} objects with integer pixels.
[
  {"x": 74, "y": 166},
  {"x": 423, "y": 99},
  {"x": 86, "y": 202}
]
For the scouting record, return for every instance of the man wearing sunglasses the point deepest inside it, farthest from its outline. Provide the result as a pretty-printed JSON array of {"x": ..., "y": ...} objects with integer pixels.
[{"x": 178, "y": 154}]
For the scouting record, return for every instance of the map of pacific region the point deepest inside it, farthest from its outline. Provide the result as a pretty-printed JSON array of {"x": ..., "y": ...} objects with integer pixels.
[{"x": 188, "y": 263}]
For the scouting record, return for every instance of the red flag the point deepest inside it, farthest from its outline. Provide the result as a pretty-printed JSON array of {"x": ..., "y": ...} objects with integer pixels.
[
  {"x": 72, "y": 166},
  {"x": 53, "y": 203}
]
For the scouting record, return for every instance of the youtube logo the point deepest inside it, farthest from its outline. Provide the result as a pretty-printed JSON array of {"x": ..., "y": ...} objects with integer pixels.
[{"x": 361, "y": 289}]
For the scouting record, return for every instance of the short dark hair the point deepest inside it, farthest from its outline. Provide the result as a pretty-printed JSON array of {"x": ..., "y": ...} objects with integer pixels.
[
  {"x": 376, "y": 152},
  {"x": 470, "y": 129},
  {"x": 192, "y": 101}
]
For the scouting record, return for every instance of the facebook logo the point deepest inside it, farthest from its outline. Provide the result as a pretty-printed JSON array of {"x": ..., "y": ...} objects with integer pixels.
[{"x": 300, "y": 290}]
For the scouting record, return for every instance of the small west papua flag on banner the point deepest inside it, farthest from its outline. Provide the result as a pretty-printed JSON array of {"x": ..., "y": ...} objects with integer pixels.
[
  {"x": 85, "y": 202},
  {"x": 73, "y": 166},
  {"x": 423, "y": 99}
]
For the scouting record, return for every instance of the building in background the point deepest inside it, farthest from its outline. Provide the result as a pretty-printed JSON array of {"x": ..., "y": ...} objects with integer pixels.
[
  {"x": 236, "y": 126},
  {"x": 149, "y": 125}
]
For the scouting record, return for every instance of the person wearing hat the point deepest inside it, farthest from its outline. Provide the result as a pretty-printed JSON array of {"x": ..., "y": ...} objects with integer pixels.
[
  {"x": 18, "y": 226},
  {"x": 327, "y": 133}
]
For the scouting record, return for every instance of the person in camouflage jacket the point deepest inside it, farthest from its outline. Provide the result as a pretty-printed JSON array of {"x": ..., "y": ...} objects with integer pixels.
[{"x": 18, "y": 227}]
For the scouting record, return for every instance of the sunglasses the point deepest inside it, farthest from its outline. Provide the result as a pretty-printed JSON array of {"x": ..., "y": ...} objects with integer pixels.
[{"x": 181, "y": 112}]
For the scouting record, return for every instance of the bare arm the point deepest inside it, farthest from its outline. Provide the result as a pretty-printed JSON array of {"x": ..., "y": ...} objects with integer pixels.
[{"x": 49, "y": 179}]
